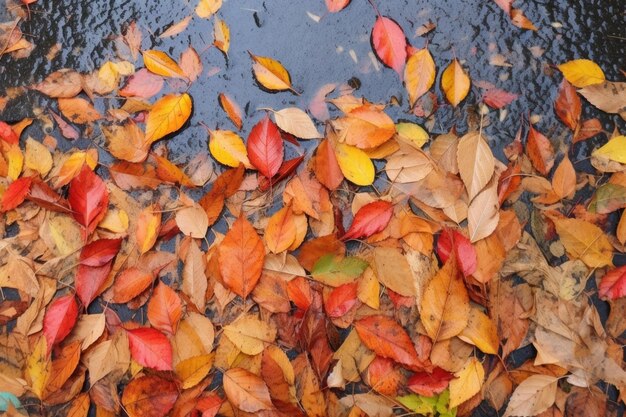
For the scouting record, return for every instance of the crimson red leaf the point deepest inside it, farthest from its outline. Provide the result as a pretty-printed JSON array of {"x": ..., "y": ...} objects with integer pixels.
[
  {"x": 613, "y": 284},
  {"x": 100, "y": 252},
  {"x": 389, "y": 43},
  {"x": 265, "y": 147},
  {"x": 15, "y": 193},
  {"x": 371, "y": 218},
  {"x": 60, "y": 319},
  {"x": 388, "y": 339},
  {"x": 429, "y": 384},
  {"x": 150, "y": 348},
  {"x": 341, "y": 300},
  {"x": 7, "y": 134},
  {"x": 89, "y": 280},
  {"x": 41, "y": 194},
  {"x": 497, "y": 98},
  {"x": 465, "y": 253},
  {"x": 88, "y": 198}
]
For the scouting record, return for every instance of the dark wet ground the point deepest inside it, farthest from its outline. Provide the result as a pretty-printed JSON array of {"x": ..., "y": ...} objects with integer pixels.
[{"x": 319, "y": 53}]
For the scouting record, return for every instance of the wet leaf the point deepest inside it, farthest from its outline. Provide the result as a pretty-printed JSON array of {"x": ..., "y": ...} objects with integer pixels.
[
  {"x": 370, "y": 219},
  {"x": 265, "y": 147},
  {"x": 540, "y": 151},
  {"x": 455, "y": 83},
  {"x": 476, "y": 163},
  {"x": 240, "y": 257},
  {"x": 148, "y": 226},
  {"x": 614, "y": 149},
  {"x": 78, "y": 110},
  {"x": 143, "y": 84},
  {"x": 221, "y": 35},
  {"x": 64, "y": 83},
  {"x": 167, "y": 115},
  {"x": 389, "y": 43},
  {"x": 568, "y": 106},
  {"x": 88, "y": 198},
  {"x": 160, "y": 63},
  {"x": 207, "y": 8},
  {"x": 582, "y": 72},
  {"x": 270, "y": 74},
  {"x": 419, "y": 74}
]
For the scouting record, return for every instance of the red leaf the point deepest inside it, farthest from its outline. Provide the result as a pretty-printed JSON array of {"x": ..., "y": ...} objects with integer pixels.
[
  {"x": 389, "y": 43},
  {"x": 7, "y": 134},
  {"x": 497, "y": 98},
  {"x": 150, "y": 348},
  {"x": 465, "y": 252},
  {"x": 41, "y": 194},
  {"x": 286, "y": 169},
  {"x": 209, "y": 405},
  {"x": 15, "y": 194},
  {"x": 335, "y": 6},
  {"x": 540, "y": 151},
  {"x": 588, "y": 129},
  {"x": 299, "y": 291},
  {"x": 429, "y": 384},
  {"x": 265, "y": 147},
  {"x": 88, "y": 198},
  {"x": 60, "y": 319},
  {"x": 341, "y": 300},
  {"x": 613, "y": 284},
  {"x": 89, "y": 280},
  {"x": 568, "y": 105},
  {"x": 370, "y": 219},
  {"x": 100, "y": 252},
  {"x": 388, "y": 339}
]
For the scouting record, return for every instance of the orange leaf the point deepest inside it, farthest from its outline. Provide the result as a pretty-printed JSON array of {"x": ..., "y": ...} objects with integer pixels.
[
  {"x": 149, "y": 396},
  {"x": 148, "y": 226},
  {"x": 246, "y": 391},
  {"x": 165, "y": 309},
  {"x": 240, "y": 257},
  {"x": 232, "y": 109},
  {"x": 540, "y": 151},
  {"x": 280, "y": 232},
  {"x": 150, "y": 348},
  {"x": 388, "y": 339}
]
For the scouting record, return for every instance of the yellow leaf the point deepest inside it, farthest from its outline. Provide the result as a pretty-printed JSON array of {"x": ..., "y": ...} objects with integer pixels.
[
  {"x": 160, "y": 63},
  {"x": 368, "y": 290},
  {"x": 176, "y": 28},
  {"x": 445, "y": 304},
  {"x": 207, "y": 8},
  {"x": 419, "y": 74},
  {"x": 455, "y": 83},
  {"x": 481, "y": 332},
  {"x": 250, "y": 335},
  {"x": 64, "y": 233},
  {"x": 228, "y": 148},
  {"x": 585, "y": 241},
  {"x": 167, "y": 115},
  {"x": 193, "y": 370},
  {"x": 355, "y": 165},
  {"x": 38, "y": 367},
  {"x": 38, "y": 157},
  {"x": 467, "y": 383},
  {"x": 582, "y": 72},
  {"x": 16, "y": 161},
  {"x": 148, "y": 225},
  {"x": 412, "y": 134},
  {"x": 115, "y": 221},
  {"x": 221, "y": 35},
  {"x": 72, "y": 165},
  {"x": 615, "y": 149},
  {"x": 280, "y": 232},
  {"x": 270, "y": 73}
]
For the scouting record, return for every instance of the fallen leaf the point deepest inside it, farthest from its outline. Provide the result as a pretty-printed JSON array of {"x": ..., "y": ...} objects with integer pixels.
[
  {"x": 150, "y": 348},
  {"x": 160, "y": 63},
  {"x": 476, "y": 163},
  {"x": 534, "y": 395},
  {"x": 584, "y": 241},
  {"x": 167, "y": 115},
  {"x": 370, "y": 219},
  {"x": 297, "y": 122},
  {"x": 613, "y": 284},
  {"x": 270, "y": 74},
  {"x": 389, "y": 43},
  {"x": 232, "y": 109},
  {"x": 228, "y": 148},
  {"x": 455, "y": 83},
  {"x": 265, "y": 147},
  {"x": 355, "y": 165},
  {"x": 419, "y": 74},
  {"x": 88, "y": 198},
  {"x": 246, "y": 391},
  {"x": 582, "y": 72},
  {"x": 250, "y": 335},
  {"x": 149, "y": 396},
  {"x": 207, "y": 8},
  {"x": 467, "y": 383}
]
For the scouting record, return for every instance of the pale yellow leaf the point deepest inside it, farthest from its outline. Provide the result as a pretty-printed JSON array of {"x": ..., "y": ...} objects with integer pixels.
[
  {"x": 207, "y": 8},
  {"x": 250, "y": 334},
  {"x": 160, "y": 63},
  {"x": 192, "y": 221},
  {"x": 534, "y": 395},
  {"x": 483, "y": 214},
  {"x": 297, "y": 122},
  {"x": 37, "y": 157},
  {"x": 221, "y": 35}
]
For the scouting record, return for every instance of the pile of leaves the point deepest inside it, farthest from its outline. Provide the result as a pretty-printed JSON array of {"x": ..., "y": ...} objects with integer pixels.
[{"x": 343, "y": 286}]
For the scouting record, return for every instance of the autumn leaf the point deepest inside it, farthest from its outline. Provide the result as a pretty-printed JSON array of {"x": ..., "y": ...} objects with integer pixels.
[
  {"x": 221, "y": 35},
  {"x": 327, "y": 169},
  {"x": 250, "y": 335},
  {"x": 280, "y": 232},
  {"x": 334, "y": 271},
  {"x": 389, "y": 43},
  {"x": 614, "y": 149},
  {"x": 246, "y": 391},
  {"x": 240, "y": 257},
  {"x": 584, "y": 241},
  {"x": 370, "y": 219},
  {"x": 130, "y": 283},
  {"x": 607, "y": 96},
  {"x": 540, "y": 151},
  {"x": 143, "y": 83},
  {"x": 164, "y": 309},
  {"x": 207, "y": 8},
  {"x": 228, "y": 148},
  {"x": 467, "y": 383},
  {"x": 388, "y": 339},
  {"x": 582, "y": 72},
  {"x": 59, "y": 319},
  {"x": 568, "y": 106},
  {"x": 297, "y": 122},
  {"x": 429, "y": 383},
  {"x": 455, "y": 83},
  {"x": 366, "y": 126},
  {"x": 270, "y": 74},
  {"x": 88, "y": 198},
  {"x": 465, "y": 254},
  {"x": 534, "y": 395},
  {"x": 445, "y": 304},
  {"x": 419, "y": 74},
  {"x": 149, "y": 396},
  {"x": 16, "y": 193},
  {"x": 613, "y": 284},
  {"x": 38, "y": 367},
  {"x": 78, "y": 110},
  {"x": 355, "y": 165},
  {"x": 150, "y": 348},
  {"x": 335, "y": 6},
  {"x": 160, "y": 63},
  {"x": 476, "y": 162},
  {"x": 148, "y": 226},
  {"x": 167, "y": 115},
  {"x": 232, "y": 109},
  {"x": 265, "y": 147}
]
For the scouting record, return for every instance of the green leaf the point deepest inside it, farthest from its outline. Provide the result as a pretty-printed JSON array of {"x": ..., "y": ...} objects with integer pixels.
[
  {"x": 436, "y": 406},
  {"x": 336, "y": 271}
]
